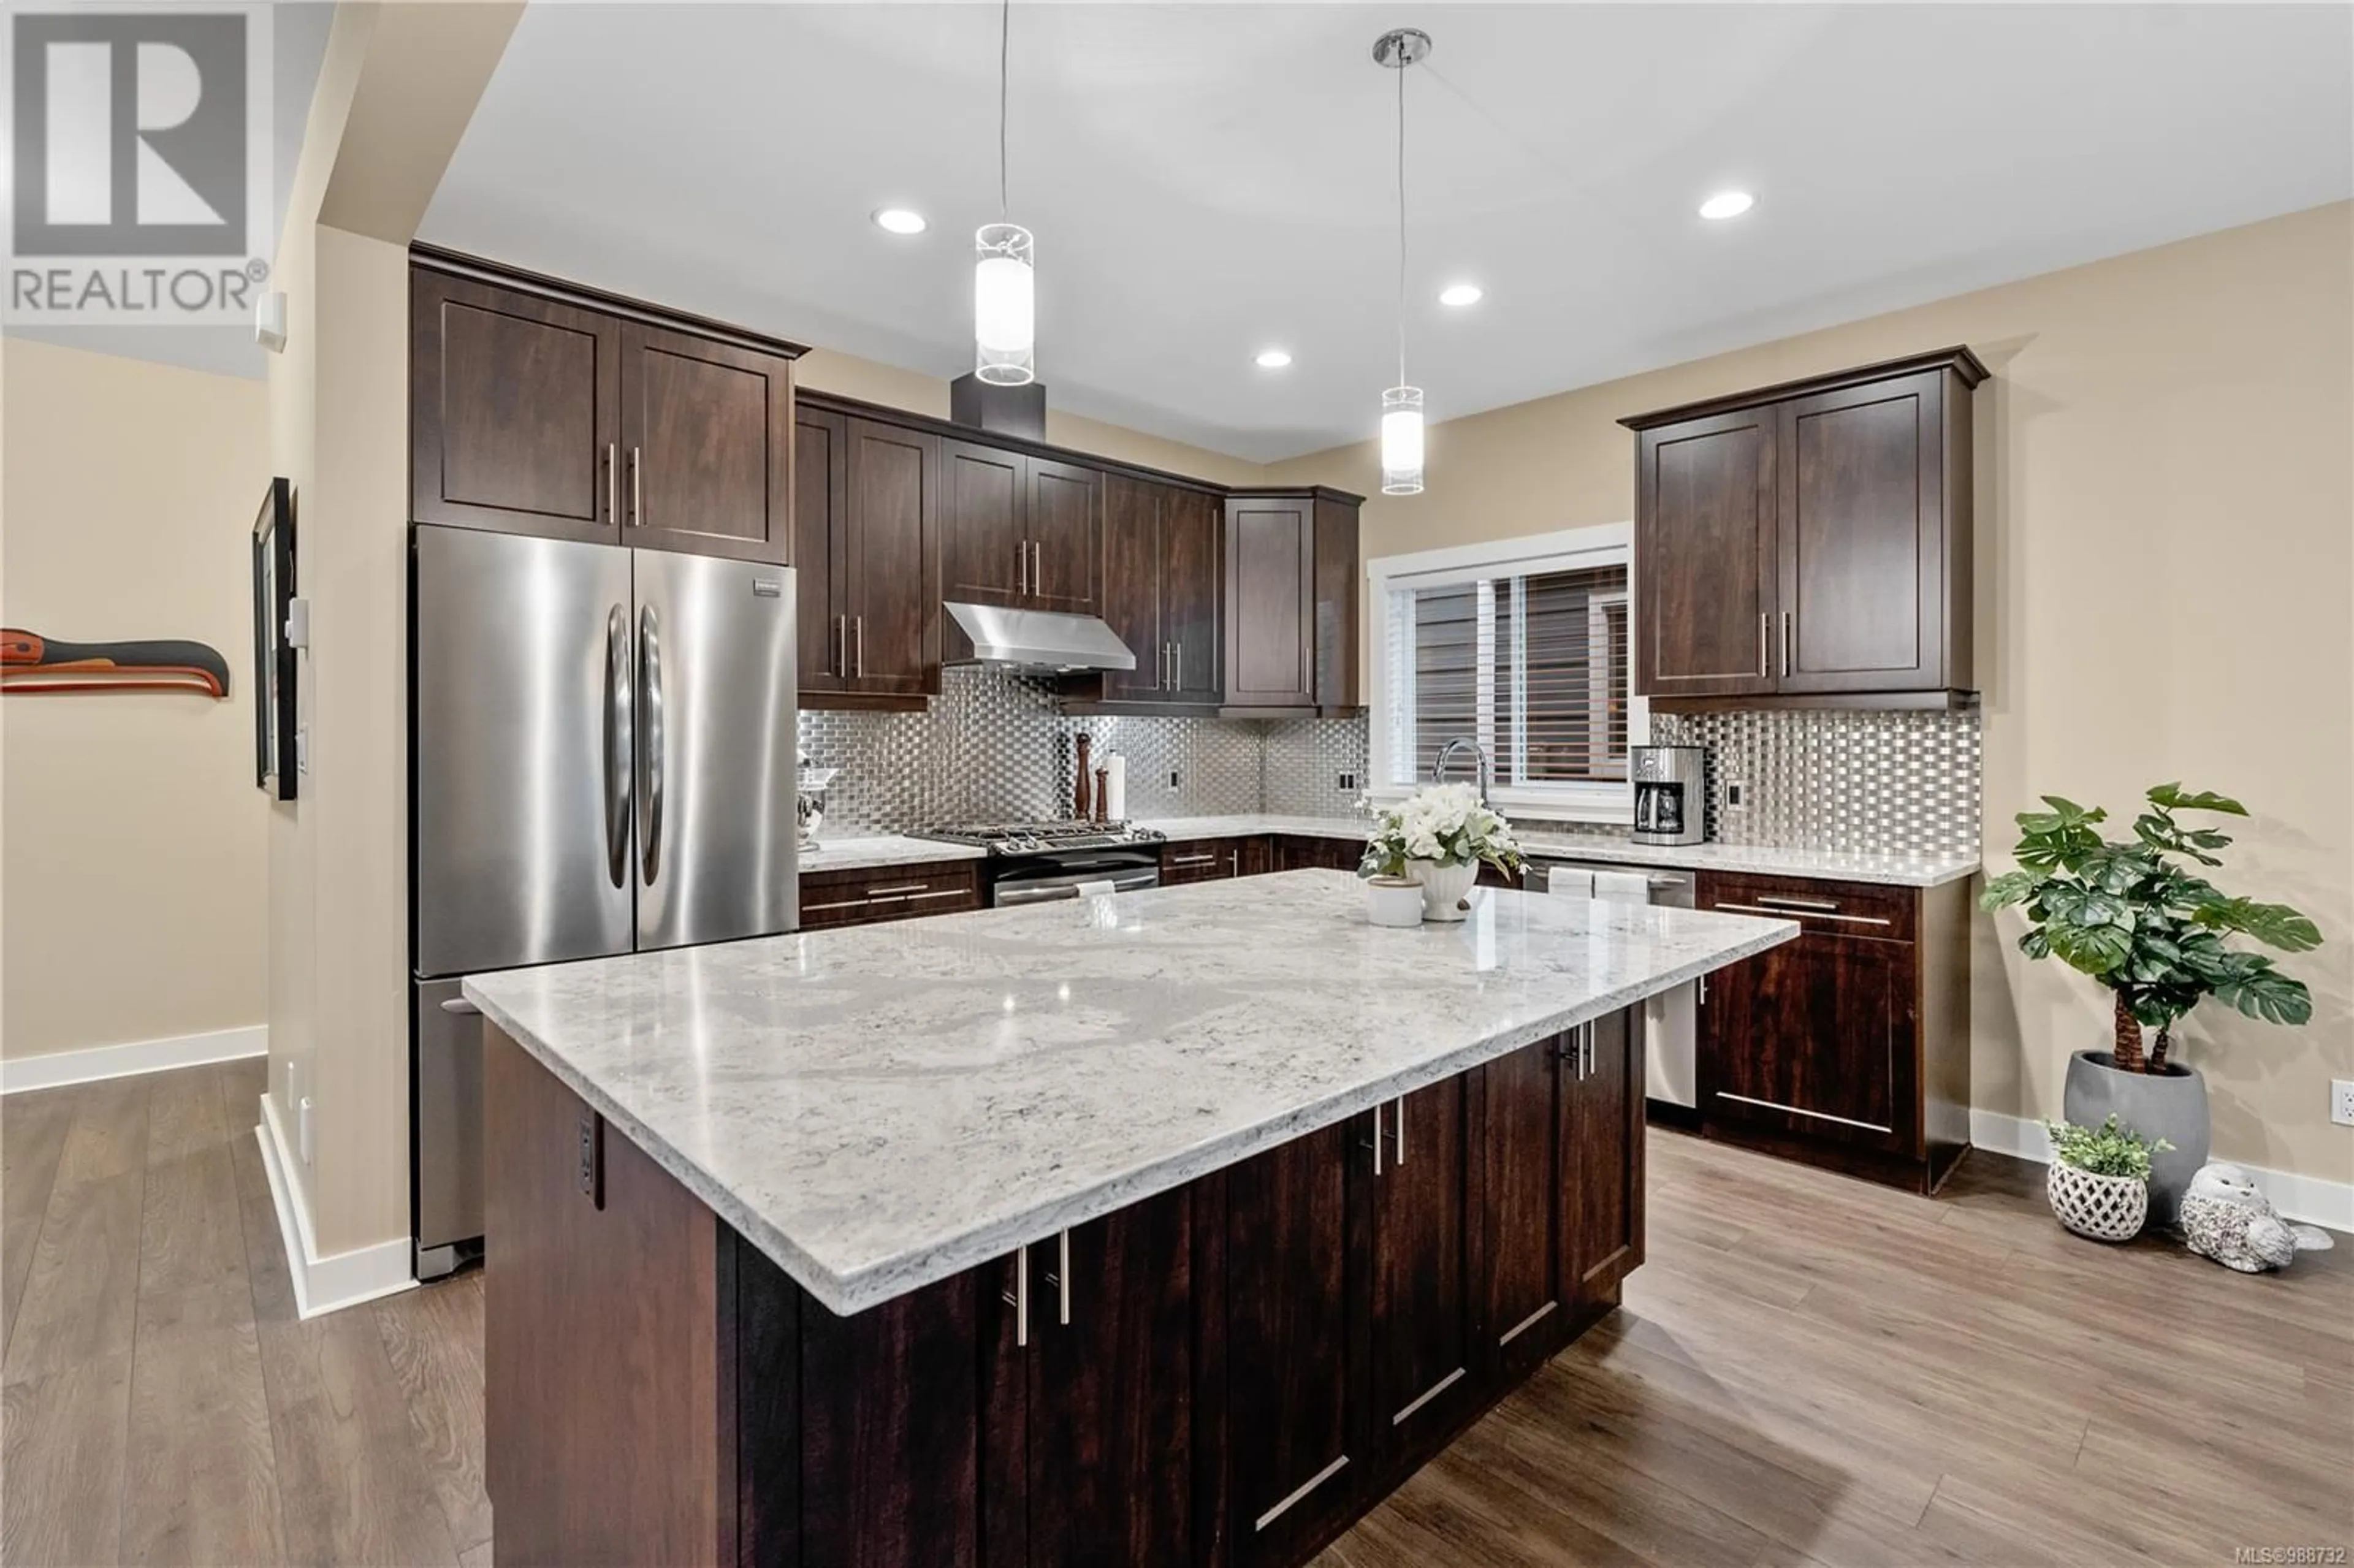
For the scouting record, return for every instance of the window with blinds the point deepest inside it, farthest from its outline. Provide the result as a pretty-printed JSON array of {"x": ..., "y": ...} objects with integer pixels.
[{"x": 1533, "y": 667}]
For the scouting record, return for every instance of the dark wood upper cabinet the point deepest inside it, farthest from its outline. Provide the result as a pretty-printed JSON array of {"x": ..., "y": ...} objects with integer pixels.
[
  {"x": 1091, "y": 1401},
  {"x": 893, "y": 599},
  {"x": 1161, "y": 590},
  {"x": 515, "y": 410},
  {"x": 706, "y": 441},
  {"x": 1270, "y": 602},
  {"x": 1704, "y": 560},
  {"x": 1291, "y": 596},
  {"x": 1065, "y": 530},
  {"x": 1297, "y": 1420},
  {"x": 821, "y": 546},
  {"x": 985, "y": 523},
  {"x": 1423, "y": 1348},
  {"x": 1851, "y": 495}
]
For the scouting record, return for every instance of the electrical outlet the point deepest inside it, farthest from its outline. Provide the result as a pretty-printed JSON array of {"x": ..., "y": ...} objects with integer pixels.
[
  {"x": 2341, "y": 1101},
  {"x": 1173, "y": 778},
  {"x": 1348, "y": 781},
  {"x": 1737, "y": 795}
]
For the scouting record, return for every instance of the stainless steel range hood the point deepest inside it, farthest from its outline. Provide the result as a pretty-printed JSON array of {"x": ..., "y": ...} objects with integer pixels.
[{"x": 1031, "y": 639}]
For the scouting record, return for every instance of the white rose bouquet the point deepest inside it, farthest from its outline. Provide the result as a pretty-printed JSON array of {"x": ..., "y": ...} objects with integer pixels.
[{"x": 1442, "y": 823}]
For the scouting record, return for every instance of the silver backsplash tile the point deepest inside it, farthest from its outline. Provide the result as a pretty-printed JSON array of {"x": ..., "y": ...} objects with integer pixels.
[
  {"x": 992, "y": 748},
  {"x": 1832, "y": 778}
]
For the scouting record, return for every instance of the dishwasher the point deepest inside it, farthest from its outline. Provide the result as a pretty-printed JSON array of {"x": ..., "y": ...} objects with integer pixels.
[{"x": 1672, "y": 1019}]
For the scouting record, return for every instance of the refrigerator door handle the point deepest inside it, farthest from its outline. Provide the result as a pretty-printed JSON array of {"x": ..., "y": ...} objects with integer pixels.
[
  {"x": 619, "y": 724},
  {"x": 650, "y": 748}
]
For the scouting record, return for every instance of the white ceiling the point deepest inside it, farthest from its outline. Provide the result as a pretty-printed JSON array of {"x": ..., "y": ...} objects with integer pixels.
[{"x": 1204, "y": 181}]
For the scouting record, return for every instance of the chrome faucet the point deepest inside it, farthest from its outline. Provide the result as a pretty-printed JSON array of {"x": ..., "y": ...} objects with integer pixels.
[{"x": 1486, "y": 772}]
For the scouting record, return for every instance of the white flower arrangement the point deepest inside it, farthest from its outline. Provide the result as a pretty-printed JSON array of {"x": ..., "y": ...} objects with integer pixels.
[{"x": 1442, "y": 823}]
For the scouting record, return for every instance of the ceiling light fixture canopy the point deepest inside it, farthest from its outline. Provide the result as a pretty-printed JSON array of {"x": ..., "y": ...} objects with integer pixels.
[
  {"x": 1004, "y": 310},
  {"x": 1727, "y": 204},
  {"x": 1273, "y": 358},
  {"x": 899, "y": 220},
  {"x": 1401, "y": 404},
  {"x": 1461, "y": 294}
]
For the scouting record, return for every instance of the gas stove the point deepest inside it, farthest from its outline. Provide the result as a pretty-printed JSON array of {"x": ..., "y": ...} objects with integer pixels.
[{"x": 1044, "y": 838}]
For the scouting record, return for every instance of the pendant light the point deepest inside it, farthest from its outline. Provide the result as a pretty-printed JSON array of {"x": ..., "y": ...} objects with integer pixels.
[
  {"x": 1402, "y": 404},
  {"x": 1004, "y": 320}
]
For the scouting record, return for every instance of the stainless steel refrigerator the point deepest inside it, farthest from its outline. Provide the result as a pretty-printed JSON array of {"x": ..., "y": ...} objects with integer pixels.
[{"x": 602, "y": 745}]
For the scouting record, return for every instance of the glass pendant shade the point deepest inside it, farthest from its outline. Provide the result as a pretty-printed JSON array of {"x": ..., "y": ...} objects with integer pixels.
[
  {"x": 1402, "y": 442},
  {"x": 1004, "y": 321}
]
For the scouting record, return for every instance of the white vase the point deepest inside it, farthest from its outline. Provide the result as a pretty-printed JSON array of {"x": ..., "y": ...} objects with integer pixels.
[
  {"x": 2106, "y": 1208},
  {"x": 1394, "y": 901},
  {"x": 1445, "y": 889}
]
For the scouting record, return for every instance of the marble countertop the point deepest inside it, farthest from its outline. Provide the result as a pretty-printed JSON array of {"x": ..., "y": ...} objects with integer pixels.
[
  {"x": 890, "y": 849},
  {"x": 1831, "y": 866},
  {"x": 881, "y": 1107}
]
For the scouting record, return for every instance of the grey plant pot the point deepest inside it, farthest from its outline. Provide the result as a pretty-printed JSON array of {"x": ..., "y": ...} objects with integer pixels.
[{"x": 2171, "y": 1105}]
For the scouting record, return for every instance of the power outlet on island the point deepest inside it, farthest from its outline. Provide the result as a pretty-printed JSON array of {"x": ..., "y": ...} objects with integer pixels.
[
  {"x": 2341, "y": 1101},
  {"x": 1349, "y": 781}
]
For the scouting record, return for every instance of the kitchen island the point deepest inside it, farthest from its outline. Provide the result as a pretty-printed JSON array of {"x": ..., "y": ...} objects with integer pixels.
[{"x": 1172, "y": 1227}]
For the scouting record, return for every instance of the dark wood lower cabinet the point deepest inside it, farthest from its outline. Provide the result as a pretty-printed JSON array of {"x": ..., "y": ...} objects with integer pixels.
[{"x": 1225, "y": 1375}]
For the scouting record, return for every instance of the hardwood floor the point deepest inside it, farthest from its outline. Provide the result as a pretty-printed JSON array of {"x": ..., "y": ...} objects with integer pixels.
[{"x": 1808, "y": 1372}]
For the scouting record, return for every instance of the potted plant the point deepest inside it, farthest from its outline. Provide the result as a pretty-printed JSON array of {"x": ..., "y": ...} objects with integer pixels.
[
  {"x": 2099, "y": 1182},
  {"x": 1440, "y": 835},
  {"x": 2136, "y": 917}
]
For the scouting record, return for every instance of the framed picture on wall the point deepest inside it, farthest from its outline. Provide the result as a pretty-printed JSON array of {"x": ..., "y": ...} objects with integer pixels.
[{"x": 273, "y": 660}]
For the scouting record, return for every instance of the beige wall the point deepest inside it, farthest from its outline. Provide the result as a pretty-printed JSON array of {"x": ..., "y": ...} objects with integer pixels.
[
  {"x": 823, "y": 370},
  {"x": 130, "y": 831},
  {"x": 2165, "y": 565}
]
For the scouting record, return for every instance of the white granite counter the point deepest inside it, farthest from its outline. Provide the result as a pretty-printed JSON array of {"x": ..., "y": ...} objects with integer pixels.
[
  {"x": 1831, "y": 866},
  {"x": 861, "y": 854},
  {"x": 879, "y": 1107}
]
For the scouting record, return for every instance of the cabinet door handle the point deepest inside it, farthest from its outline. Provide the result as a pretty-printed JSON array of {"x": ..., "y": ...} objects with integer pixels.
[
  {"x": 1038, "y": 568},
  {"x": 1398, "y": 1131},
  {"x": 1063, "y": 1278},
  {"x": 612, "y": 481},
  {"x": 1018, "y": 1297},
  {"x": 860, "y": 668},
  {"x": 1703, "y": 991},
  {"x": 1589, "y": 1050},
  {"x": 1177, "y": 666},
  {"x": 1377, "y": 1141},
  {"x": 1789, "y": 621},
  {"x": 637, "y": 492},
  {"x": 1764, "y": 665},
  {"x": 1021, "y": 565}
]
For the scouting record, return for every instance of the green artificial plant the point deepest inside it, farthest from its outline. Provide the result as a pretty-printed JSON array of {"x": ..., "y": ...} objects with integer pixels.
[
  {"x": 2135, "y": 918},
  {"x": 2107, "y": 1149}
]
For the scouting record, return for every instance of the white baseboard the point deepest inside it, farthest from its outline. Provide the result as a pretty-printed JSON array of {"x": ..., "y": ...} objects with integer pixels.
[
  {"x": 2310, "y": 1199},
  {"x": 59, "y": 1068},
  {"x": 340, "y": 1279}
]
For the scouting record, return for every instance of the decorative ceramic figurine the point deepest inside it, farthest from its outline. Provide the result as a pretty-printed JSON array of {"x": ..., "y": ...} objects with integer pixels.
[{"x": 2226, "y": 1218}]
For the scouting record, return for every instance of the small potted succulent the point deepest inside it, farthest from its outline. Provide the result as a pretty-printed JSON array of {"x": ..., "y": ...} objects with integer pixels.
[
  {"x": 2136, "y": 917},
  {"x": 2099, "y": 1181},
  {"x": 1440, "y": 836}
]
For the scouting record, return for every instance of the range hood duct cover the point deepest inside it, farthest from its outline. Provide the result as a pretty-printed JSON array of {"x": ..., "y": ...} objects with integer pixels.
[{"x": 1031, "y": 639}]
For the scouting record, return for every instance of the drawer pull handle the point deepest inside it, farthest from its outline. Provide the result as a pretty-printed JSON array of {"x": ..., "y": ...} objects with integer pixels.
[
  {"x": 1801, "y": 914},
  {"x": 1786, "y": 902},
  {"x": 942, "y": 893},
  {"x": 838, "y": 904},
  {"x": 886, "y": 891},
  {"x": 1796, "y": 1110},
  {"x": 1192, "y": 859}
]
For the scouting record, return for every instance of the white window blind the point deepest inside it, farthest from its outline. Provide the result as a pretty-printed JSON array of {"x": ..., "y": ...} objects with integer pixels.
[{"x": 1532, "y": 666}]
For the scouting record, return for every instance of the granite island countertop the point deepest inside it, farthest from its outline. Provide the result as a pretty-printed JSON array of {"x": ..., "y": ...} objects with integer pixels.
[
  {"x": 879, "y": 1107},
  {"x": 880, "y": 850}
]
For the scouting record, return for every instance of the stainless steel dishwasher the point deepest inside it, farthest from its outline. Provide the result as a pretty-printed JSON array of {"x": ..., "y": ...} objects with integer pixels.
[{"x": 1672, "y": 1019}]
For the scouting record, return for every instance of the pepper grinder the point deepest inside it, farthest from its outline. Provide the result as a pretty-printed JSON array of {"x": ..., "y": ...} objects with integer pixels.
[
  {"x": 1080, "y": 808},
  {"x": 1103, "y": 794}
]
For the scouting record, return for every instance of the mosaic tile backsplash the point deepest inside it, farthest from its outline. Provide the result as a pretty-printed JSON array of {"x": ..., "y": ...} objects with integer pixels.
[
  {"x": 1827, "y": 778},
  {"x": 993, "y": 747}
]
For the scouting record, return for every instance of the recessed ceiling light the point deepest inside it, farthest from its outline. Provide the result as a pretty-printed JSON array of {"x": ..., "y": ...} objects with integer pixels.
[
  {"x": 1272, "y": 359},
  {"x": 1727, "y": 204},
  {"x": 899, "y": 220},
  {"x": 1459, "y": 295}
]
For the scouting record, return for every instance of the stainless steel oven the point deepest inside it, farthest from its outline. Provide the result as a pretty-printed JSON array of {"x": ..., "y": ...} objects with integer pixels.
[{"x": 1061, "y": 874}]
